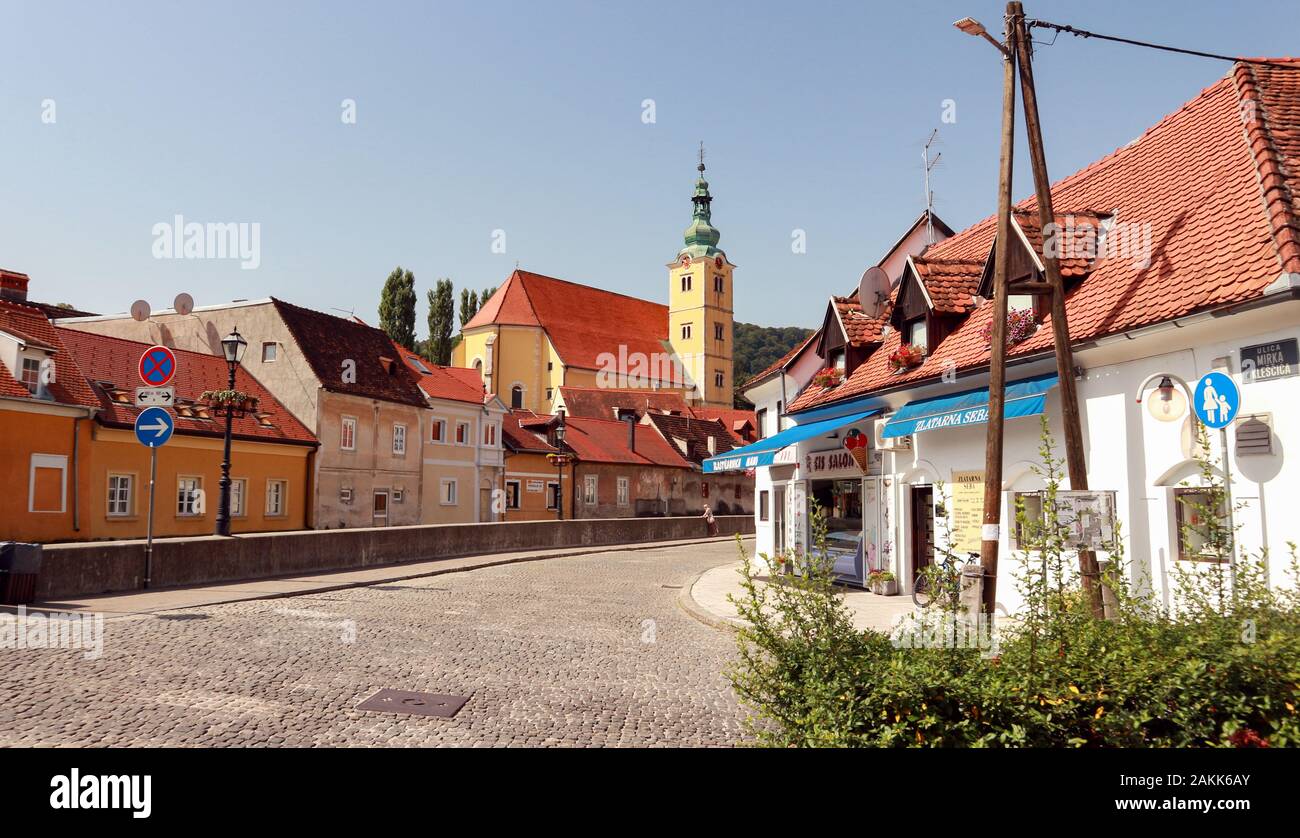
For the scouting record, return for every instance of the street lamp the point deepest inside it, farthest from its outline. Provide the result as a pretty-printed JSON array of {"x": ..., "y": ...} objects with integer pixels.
[
  {"x": 560, "y": 458},
  {"x": 973, "y": 27},
  {"x": 232, "y": 347},
  {"x": 1170, "y": 402}
]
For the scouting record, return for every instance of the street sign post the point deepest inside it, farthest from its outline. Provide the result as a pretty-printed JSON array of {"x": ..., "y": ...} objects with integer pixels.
[
  {"x": 153, "y": 428},
  {"x": 1217, "y": 401},
  {"x": 157, "y": 366},
  {"x": 155, "y": 396}
]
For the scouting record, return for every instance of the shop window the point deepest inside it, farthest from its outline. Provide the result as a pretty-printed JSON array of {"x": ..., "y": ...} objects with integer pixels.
[
  {"x": 1198, "y": 527},
  {"x": 512, "y": 494},
  {"x": 763, "y": 505},
  {"x": 840, "y": 502},
  {"x": 1028, "y": 524}
]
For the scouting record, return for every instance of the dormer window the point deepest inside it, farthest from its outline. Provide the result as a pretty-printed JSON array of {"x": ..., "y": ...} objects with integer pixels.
[
  {"x": 31, "y": 376},
  {"x": 837, "y": 359},
  {"x": 916, "y": 333}
]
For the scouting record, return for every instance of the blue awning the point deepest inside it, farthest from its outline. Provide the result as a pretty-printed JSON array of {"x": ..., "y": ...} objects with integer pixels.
[
  {"x": 763, "y": 452},
  {"x": 1026, "y": 397}
]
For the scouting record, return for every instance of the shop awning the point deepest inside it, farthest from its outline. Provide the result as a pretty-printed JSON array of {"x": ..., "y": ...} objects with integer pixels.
[
  {"x": 763, "y": 452},
  {"x": 1026, "y": 397}
]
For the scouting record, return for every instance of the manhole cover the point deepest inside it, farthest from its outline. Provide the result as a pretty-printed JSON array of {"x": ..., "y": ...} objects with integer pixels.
[{"x": 417, "y": 704}]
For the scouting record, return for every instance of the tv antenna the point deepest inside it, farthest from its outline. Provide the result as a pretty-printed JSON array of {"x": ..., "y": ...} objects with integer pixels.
[{"x": 929, "y": 195}]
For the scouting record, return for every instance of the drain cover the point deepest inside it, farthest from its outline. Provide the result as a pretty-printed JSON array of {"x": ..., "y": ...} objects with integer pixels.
[{"x": 417, "y": 704}]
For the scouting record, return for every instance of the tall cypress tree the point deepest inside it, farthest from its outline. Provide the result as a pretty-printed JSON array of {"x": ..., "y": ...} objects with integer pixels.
[
  {"x": 468, "y": 305},
  {"x": 397, "y": 307},
  {"x": 442, "y": 313}
]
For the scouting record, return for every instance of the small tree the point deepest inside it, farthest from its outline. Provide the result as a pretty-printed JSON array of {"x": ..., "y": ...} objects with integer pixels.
[
  {"x": 397, "y": 307},
  {"x": 442, "y": 312}
]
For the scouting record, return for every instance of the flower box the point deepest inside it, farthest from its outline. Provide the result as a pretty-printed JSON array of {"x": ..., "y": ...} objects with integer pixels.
[
  {"x": 906, "y": 357},
  {"x": 828, "y": 378},
  {"x": 1021, "y": 325}
]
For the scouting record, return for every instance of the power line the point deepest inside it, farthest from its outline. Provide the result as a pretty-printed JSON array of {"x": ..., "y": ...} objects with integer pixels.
[{"x": 1083, "y": 33}]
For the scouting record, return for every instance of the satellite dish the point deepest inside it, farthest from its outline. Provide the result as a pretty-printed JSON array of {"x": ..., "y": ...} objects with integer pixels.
[
  {"x": 184, "y": 303},
  {"x": 873, "y": 292},
  {"x": 140, "y": 310}
]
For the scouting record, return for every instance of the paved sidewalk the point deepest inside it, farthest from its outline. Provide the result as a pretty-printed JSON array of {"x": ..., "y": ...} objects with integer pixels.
[
  {"x": 706, "y": 599},
  {"x": 126, "y": 604}
]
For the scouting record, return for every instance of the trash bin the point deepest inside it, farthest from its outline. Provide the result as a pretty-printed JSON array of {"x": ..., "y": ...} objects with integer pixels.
[{"x": 20, "y": 564}]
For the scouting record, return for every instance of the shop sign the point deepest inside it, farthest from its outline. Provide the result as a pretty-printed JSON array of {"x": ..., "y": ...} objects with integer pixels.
[
  {"x": 835, "y": 462},
  {"x": 967, "y": 508},
  {"x": 1266, "y": 361},
  {"x": 536, "y": 486}
]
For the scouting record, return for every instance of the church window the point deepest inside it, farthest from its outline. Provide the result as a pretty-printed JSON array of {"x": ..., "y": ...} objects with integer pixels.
[
  {"x": 686, "y": 282},
  {"x": 686, "y": 331}
]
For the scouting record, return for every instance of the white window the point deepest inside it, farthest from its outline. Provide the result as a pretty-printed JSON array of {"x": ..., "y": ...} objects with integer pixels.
[
  {"x": 238, "y": 493},
  {"x": 462, "y": 433},
  {"x": 917, "y": 335},
  {"x": 686, "y": 331},
  {"x": 447, "y": 495},
  {"x": 275, "y": 497},
  {"x": 489, "y": 434},
  {"x": 624, "y": 492},
  {"x": 31, "y": 374},
  {"x": 345, "y": 495},
  {"x": 438, "y": 430},
  {"x": 269, "y": 351},
  {"x": 348, "y": 436},
  {"x": 189, "y": 496},
  {"x": 512, "y": 494},
  {"x": 399, "y": 440},
  {"x": 121, "y": 488},
  {"x": 398, "y": 494},
  {"x": 589, "y": 489}
]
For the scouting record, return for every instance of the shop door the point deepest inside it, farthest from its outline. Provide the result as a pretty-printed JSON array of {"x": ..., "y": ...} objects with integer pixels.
[
  {"x": 778, "y": 520},
  {"x": 922, "y": 527}
]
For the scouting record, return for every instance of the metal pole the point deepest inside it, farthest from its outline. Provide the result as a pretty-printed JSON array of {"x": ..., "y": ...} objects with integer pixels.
[
  {"x": 1076, "y": 463},
  {"x": 148, "y": 540},
  {"x": 1227, "y": 489},
  {"x": 991, "y": 531},
  {"x": 223, "y": 508},
  {"x": 559, "y": 490}
]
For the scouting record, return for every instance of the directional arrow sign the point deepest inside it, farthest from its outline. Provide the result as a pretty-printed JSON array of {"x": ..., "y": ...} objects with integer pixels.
[
  {"x": 153, "y": 427},
  {"x": 155, "y": 396}
]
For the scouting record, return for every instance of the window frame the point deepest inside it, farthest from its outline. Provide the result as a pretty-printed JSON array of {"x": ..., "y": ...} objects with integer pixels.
[
  {"x": 283, "y": 497},
  {"x": 764, "y": 504},
  {"x": 129, "y": 511},
  {"x": 590, "y": 490},
  {"x": 274, "y": 346},
  {"x": 347, "y": 442},
  {"x": 182, "y": 512},
  {"x": 446, "y": 498},
  {"x": 623, "y": 492},
  {"x": 242, "y": 510},
  {"x": 513, "y": 503},
  {"x": 463, "y": 438},
  {"x": 1180, "y": 522},
  {"x": 34, "y": 385},
  {"x": 399, "y": 451},
  {"x": 438, "y": 431}
]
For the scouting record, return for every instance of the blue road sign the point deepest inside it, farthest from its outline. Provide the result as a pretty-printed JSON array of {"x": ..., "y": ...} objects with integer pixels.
[
  {"x": 157, "y": 366},
  {"x": 153, "y": 427},
  {"x": 1216, "y": 400}
]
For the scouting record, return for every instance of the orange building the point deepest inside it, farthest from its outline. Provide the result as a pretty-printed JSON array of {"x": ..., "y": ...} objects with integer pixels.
[
  {"x": 45, "y": 425},
  {"x": 271, "y": 451}
]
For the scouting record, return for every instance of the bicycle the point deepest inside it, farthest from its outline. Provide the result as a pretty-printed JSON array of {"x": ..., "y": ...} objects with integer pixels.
[{"x": 940, "y": 585}]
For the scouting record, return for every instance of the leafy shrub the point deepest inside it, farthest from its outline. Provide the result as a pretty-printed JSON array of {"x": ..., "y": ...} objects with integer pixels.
[{"x": 1222, "y": 669}]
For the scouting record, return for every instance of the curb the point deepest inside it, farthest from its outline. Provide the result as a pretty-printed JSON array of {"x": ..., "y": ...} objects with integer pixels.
[{"x": 686, "y": 601}]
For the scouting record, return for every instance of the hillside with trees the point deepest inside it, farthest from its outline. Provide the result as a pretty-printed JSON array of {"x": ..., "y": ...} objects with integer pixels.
[{"x": 758, "y": 347}]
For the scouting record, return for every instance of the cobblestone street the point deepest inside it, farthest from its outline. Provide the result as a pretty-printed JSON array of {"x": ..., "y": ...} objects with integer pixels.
[{"x": 584, "y": 650}]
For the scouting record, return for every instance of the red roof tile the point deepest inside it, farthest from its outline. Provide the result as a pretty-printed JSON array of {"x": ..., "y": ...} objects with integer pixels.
[
  {"x": 733, "y": 420},
  {"x": 1217, "y": 204},
  {"x": 115, "y": 361},
  {"x": 690, "y": 437},
  {"x": 605, "y": 402},
  {"x": 31, "y": 325},
  {"x": 460, "y": 384},
  {"x": 605, "y": 441},
  {"x": 582, "y": 322},
  {"x": 859, "y": 328},
  {"x": 328, "y": 342},
  {"x": 950, "y": 283},
  {"x": 517, "y": 437}
]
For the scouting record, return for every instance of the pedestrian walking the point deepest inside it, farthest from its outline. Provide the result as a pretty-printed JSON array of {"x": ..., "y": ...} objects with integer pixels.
[{"x": 710, "y": 520}]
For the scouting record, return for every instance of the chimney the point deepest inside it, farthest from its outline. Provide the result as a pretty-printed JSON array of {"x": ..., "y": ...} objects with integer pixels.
[
  {"x": 630, "y": 419},
  {"x": 13, "y": 285}
]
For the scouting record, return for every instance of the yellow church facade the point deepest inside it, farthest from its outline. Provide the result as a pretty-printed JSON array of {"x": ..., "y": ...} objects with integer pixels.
[{"x": 536, "y": 333}]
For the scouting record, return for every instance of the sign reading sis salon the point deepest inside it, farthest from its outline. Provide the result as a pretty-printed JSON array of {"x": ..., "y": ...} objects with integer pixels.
[{"x": 838, "y": 462}]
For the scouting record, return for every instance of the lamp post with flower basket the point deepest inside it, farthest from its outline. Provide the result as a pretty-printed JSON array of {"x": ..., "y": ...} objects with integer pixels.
[{"x": 230, "y": 403}]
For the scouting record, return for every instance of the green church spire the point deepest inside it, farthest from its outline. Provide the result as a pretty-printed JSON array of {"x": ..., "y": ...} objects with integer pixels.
[{"x": 701, "y": 237}]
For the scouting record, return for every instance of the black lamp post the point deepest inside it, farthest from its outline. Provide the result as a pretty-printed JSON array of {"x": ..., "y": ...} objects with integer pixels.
[
  {"x": 560, "y": 459},
  {"x": 232, "y": 346}
]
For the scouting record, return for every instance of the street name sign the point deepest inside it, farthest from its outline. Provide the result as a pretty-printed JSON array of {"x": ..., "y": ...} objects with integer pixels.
[{"x": 155, "y": 396}]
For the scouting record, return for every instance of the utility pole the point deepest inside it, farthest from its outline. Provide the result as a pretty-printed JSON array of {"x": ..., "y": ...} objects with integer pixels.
[
  {"x": 991, "y": 531},
  {"x": 1075, "y": 462}
]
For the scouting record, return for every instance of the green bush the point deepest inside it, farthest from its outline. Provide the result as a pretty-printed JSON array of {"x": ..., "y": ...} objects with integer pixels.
[{"x": 1221, "y": 669}]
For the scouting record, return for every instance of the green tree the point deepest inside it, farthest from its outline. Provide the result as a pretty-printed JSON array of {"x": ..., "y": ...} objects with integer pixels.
[
  {"x": 468, "y": 305},
  {"x": 442, "y": 312},
  {"x": 397, "y": 307},
  {"x": 485, "y": 296}
]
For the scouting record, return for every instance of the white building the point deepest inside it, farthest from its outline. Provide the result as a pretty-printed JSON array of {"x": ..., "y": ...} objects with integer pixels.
[{"x": 1181, "y": 256}]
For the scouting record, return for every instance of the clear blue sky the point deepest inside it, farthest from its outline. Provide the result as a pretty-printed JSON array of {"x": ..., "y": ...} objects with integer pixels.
[{"x": 526, "y": 117}]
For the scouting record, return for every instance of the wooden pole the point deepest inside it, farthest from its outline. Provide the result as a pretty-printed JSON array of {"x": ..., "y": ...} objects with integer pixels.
[
  {"x": 990, "y": 532},
  {"x": 1075, "y": 462}
]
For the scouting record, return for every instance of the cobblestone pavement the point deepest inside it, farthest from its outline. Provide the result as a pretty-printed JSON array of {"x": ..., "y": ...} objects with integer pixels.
[{"x": 585, "y": 650}]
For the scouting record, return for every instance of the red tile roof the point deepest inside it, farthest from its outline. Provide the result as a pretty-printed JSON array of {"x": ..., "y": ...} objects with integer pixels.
[
  {"x": 516, "y": 437},
  {"x": 1075, "y": 240},
  {"x": 606, "y": 402},
  {"x": 115, "y": 361},
  {"x": 605, "y": 441},
  {"x": 690, "y": 437},
  {"x": 582, "y": 322},
  {"x": 950, "y": 283},
  {"x": 731, "y": 419},
  {"x": 31, "y": 325},
  {"x": 459, "y": 384},
  {"x": 328, "y": 342},
  {"x": 1216, "y": 201},
  {"x": 861, "y": 329}
]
